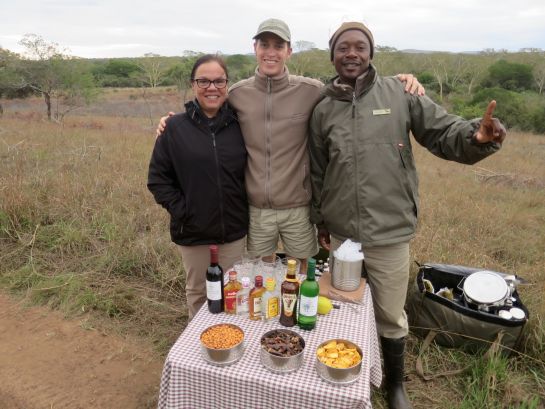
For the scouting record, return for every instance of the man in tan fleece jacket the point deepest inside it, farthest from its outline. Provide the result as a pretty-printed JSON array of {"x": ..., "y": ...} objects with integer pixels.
[{"x": 274, "y": 108}]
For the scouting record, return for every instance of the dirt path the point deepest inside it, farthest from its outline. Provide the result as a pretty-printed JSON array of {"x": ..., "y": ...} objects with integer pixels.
[{"x": 48, "y": 362}]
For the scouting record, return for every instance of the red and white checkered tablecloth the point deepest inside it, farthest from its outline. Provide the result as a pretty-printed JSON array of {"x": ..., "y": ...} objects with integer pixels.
[{"x": 190, "y": 382}]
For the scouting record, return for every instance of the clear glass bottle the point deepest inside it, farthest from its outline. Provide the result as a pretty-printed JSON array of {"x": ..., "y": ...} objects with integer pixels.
[
  {"x": 243, "y": 296},
  {"x": 255, "y": 299},
  {"x": 308, "y": 299},
  {"x": 230, "y": 292},
  {"x": 270, "y": 302}
]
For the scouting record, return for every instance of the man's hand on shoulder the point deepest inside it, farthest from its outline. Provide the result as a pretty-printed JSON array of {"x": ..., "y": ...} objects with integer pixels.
[
  {"x": 412, "y": 86},
  {"x": 162, "y": 124}
]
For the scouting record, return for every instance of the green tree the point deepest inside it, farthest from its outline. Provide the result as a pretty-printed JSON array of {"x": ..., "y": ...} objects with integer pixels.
[
  {"x": 11, "y": 83},
  {"x": 240, "y": 66},
  {"x": 117, "y": 73},
  {"x": 509, "y": 75},
  {"x": 56, "y": 76},
  {"x": 180, "y": 74},
  {"x": 510, "y": 109},
  {"x": 153, "y": 69}
]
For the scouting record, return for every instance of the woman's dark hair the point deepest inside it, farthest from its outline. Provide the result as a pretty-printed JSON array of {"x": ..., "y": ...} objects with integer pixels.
[{"x": 208, "y": 58}]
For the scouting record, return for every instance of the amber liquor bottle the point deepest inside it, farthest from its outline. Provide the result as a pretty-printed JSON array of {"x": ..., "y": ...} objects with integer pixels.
[
  {"x": 288, "y": 296},
  {"x": 230, "y": 292},
  {"x": 255, "y": 299}
]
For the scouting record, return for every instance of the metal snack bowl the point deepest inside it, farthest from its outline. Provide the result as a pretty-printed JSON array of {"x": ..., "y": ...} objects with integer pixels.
[
  {"x": 281, "y": 364},
  {"x": 222, "y": 356},
  {"x": 339, "y": 376}
]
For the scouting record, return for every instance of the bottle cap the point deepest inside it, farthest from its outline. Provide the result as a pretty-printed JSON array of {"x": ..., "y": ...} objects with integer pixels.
[
  {"x": 311, "y": 262},
  {"x": 270, "y": 283},
  {"x": 258, "y": 281},
  {"x": 232, "y": 275},
  {"x": 245, "y": 282}
]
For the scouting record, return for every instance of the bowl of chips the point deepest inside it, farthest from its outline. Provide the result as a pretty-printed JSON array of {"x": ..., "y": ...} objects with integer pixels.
[
  {"x": 338, "y": 361},
  {"x": 222, "y": 344}
]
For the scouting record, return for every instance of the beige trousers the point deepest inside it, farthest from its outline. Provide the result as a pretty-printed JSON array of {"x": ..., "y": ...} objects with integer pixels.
[
  {"x": 196, "y": 260},
  {"x": 388, "y": 278}
]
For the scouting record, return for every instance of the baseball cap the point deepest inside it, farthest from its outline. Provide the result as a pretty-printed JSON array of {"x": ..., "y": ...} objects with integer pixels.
[{"x": 275, "y": 26}]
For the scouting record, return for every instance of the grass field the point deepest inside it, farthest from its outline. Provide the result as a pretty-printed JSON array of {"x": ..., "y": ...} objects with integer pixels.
[{"x": 80, "y": 232}]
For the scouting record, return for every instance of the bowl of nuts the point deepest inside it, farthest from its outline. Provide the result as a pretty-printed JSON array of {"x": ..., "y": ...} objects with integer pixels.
[
  {"x": 222, "y": 344},
  {"x": 338, "y": 361},
  {"x": 282, "y": 350}
]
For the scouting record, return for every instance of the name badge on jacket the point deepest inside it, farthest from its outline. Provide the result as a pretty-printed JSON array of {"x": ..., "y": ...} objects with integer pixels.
[{"x": 384, "y": 111}]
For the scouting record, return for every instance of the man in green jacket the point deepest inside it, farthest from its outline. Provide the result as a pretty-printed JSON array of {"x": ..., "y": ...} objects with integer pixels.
[{"x": 364, "y": 181}]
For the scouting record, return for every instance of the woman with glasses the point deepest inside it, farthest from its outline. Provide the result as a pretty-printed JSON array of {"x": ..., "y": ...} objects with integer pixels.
[{"x": 196, "y": 173}]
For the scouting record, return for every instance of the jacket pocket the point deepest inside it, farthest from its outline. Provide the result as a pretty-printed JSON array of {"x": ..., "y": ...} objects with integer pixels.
[
  {"x": 300, "y": 117},
  {"x": 407, "y": 161},
  {"x": 406, "y": 156}
]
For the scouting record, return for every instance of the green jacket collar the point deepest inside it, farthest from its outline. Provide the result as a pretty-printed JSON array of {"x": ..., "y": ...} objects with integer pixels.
[{"x": 337, "y": 90}]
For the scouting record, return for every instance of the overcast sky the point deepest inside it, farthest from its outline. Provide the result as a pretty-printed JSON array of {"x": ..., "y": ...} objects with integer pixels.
[{"x": 131, "y": 28}]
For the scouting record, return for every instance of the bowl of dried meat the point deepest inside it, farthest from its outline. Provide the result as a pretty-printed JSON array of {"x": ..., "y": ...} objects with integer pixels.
[
  {"x": 222, "y": 344},
  {"x": 338, "y": 361},
  {"x": 282, "y": 350}
]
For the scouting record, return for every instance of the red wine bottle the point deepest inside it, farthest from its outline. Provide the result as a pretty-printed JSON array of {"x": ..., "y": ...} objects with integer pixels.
[{"x": 214, "y": 283}]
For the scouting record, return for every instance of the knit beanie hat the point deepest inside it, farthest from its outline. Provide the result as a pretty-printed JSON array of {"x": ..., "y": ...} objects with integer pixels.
[{"x": 352, "y": 25}]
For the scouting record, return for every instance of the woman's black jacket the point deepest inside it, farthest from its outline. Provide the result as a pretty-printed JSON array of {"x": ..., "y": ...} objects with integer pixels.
[{"x": 196, "y": 172}]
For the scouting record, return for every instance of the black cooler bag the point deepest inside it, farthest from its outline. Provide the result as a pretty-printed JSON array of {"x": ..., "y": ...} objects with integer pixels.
[{"x": 457, "y": 323}]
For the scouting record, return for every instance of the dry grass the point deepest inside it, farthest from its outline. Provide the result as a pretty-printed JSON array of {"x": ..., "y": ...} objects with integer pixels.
[{"x": 79, "y": 231}]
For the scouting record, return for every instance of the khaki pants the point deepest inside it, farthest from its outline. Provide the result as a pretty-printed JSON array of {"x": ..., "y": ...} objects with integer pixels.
[
  {"x": 292, "y": 226},
  {"x": 388, "y": 278},
  {"x": 196, "y": 260}
]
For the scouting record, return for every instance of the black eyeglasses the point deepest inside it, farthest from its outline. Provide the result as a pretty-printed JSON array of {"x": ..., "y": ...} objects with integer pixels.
[{"x": 219, "y": 83}]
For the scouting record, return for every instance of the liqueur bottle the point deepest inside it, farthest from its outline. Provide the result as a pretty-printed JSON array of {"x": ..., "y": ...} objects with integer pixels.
[
  {"x": 214, "y": 283},
  {"x": 308, "y": 299},
  {"x": 289, "y": 291},
  {"x": 270, "y": 303},
  {"x": 243, "y": 296},
  {"x": 230, "y": 292},
  {"x": 255, "y": 299}
]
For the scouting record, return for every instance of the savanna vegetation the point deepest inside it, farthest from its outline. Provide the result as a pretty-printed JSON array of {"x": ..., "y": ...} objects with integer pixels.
[{"x": 80, "y": 232}]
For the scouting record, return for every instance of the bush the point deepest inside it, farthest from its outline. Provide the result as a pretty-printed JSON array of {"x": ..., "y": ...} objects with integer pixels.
[{"x": 510, "y": 109}]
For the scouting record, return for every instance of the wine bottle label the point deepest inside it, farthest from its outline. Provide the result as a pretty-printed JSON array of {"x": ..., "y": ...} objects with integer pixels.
[
  {"x": 213, "y": 290},
  {"x": 308, "y": 306},
  {"x": 288, "y": 303},
  {"x": 257, "y": 305},
  {"x": 230, "y": 300},
  {"x": 272, "y": 307}
]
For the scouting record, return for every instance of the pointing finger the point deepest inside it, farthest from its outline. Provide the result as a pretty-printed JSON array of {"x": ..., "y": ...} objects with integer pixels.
[{"x": 490, "y": 110}]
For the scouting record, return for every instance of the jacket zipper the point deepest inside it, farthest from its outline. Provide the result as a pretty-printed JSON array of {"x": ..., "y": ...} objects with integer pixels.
[
  {"x": 268, "y": 131},
  {"x": 354, "y": 150},
  {"x": 218, "y": 179}
]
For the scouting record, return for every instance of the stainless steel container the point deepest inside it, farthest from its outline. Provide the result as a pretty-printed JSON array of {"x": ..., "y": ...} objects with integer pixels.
[
  {"x": 339, "y": 376},
  {"x": 280, "y": 364},
  {"x": 222, "y": 357},
  {"x": 346, "y": 275}
]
